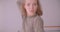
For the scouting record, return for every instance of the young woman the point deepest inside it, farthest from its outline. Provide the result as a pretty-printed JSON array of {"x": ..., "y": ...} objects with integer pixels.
[{"x": 31, "y": 15}]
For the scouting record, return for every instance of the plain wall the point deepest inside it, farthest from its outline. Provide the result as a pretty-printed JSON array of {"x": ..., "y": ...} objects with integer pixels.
[
  {"x": 51, "y": 13},
  {"x": 10, "y": 19}
]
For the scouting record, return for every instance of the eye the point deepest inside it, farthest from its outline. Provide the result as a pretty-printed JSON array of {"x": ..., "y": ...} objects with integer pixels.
[
  {"x": 28, "y": 4},
  {"x": 34, "y": 4}
]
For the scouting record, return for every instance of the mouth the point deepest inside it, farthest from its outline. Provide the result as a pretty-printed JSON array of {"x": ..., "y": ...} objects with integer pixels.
[{"x": 32, "y": 10}]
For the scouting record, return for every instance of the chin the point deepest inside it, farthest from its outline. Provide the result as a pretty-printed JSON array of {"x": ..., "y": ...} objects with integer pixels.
[{"x": 31, "y": 12}]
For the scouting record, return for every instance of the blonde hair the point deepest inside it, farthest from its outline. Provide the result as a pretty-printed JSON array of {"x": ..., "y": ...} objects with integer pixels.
[{"x": 23, "y": 11}]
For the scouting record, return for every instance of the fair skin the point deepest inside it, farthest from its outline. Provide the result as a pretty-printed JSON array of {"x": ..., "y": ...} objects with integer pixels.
[{"x": 31, "y": 7}]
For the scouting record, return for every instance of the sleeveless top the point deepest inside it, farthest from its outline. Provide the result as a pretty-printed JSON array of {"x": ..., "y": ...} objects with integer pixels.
[{"x": 32, "y": 24}]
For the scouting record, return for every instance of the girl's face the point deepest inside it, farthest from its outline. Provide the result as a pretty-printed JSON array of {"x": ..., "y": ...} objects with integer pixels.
[{"x": 31, "y": 6}]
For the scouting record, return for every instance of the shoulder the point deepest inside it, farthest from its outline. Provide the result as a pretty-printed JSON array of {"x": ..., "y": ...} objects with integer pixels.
[{"x": 38, "y": 19}]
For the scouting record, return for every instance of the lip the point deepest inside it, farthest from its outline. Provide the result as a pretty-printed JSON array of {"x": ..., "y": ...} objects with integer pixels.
[{"x": 32, "y": 10}]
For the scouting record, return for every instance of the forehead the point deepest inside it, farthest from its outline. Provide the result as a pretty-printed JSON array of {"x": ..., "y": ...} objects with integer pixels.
[{"x": 30, "y": 1}]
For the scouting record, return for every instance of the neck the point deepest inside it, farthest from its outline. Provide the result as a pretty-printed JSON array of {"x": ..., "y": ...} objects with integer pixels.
[{"x": 31, "y": 14}]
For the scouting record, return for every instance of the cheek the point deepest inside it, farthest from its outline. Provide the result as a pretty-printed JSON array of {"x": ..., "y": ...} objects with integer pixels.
[
  {"x": 26, "y": 7},
  {"x": 35, "y": 8}
]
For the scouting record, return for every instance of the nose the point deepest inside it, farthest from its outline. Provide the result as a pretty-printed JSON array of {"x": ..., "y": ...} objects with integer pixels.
[{"x": 32, "y": 6}]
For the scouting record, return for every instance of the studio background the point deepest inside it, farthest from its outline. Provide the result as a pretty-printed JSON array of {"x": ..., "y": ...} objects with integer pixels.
[{"x": 10, "y": 17}]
